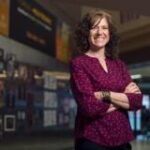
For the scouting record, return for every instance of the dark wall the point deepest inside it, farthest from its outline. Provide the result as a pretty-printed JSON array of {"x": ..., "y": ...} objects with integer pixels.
[{"x": 136, "y": 56}]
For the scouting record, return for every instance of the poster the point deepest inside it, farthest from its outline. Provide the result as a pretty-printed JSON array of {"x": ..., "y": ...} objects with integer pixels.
[{"x": 4, "y": 17}]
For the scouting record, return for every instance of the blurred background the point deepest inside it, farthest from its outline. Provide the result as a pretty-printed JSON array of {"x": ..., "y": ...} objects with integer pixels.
[{"x": 37, "y": 109}]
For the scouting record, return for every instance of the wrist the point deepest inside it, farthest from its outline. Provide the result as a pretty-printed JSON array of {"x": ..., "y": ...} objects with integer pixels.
[{"x": 106, "y": 96}]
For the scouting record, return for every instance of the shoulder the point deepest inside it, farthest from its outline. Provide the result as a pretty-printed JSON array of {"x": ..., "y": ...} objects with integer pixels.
[
  {"x": 77, "y": 61},
  {"x": 120, "y": 62},
  {"x": 122, "y": 65}
]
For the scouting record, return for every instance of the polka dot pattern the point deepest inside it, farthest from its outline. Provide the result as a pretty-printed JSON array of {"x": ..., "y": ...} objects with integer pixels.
[{"x": 92, "y": 121}]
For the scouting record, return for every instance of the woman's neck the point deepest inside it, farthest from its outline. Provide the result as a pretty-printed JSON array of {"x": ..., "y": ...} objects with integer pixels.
[{"x": 100, "y": 54}]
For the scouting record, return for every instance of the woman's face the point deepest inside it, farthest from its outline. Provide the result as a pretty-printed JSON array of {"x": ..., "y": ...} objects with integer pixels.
[{"x": 99, "y": 34}]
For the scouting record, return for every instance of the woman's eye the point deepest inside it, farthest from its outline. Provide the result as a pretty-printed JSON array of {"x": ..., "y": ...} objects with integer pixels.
[
  {"x": 96, "y": 28},
  {"x": 105, "y": 27}
]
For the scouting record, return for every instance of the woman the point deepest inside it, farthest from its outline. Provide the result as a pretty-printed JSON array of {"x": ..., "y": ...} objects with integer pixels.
[{"x": 102, "y": 87}]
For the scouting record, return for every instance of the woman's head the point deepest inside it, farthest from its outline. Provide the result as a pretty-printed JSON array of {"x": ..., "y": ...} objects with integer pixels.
[{"x": 93, "y": 24}]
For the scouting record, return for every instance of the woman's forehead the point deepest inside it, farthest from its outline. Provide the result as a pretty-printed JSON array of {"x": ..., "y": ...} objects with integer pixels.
[{"x": 99, "y": 20}]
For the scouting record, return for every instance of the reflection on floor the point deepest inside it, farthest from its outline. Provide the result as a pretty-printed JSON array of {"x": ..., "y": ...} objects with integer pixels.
[
  {"x": 57, "y": 143},
  {"x": 141, "y": 145},
  {"x": 37, "y": 143}
]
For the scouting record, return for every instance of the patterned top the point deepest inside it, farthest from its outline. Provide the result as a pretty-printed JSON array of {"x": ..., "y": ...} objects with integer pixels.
[{"x": 92, "y": 121}]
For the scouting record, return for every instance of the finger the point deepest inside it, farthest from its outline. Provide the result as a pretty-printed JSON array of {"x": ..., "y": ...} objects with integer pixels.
[
  {"x": 130, "y": 85},
  {"x": 133, "y": 87},
  {"x": 138, "y": 92},
  {"x": 135, "y": 90},
  {"x": 132, "y": 90}
]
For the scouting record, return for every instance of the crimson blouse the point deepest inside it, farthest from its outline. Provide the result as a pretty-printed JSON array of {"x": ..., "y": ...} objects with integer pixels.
[{"x": 92, "y": 121}]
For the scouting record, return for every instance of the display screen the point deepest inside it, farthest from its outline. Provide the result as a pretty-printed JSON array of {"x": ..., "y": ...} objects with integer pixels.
[{"x": 32, "y": 25}]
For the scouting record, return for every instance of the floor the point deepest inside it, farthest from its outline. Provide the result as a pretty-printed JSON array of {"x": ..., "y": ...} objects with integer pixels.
[
  {"x": 37, "y": 143},
  {"x": 52, "y": 143}
]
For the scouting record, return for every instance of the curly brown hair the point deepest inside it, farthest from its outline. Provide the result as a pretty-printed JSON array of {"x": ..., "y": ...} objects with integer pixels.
[{"x": 83, "y": 29}]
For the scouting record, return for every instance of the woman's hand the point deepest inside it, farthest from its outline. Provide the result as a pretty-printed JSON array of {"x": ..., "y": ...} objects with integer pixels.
[
  {"x": 98, "y": 95},
  {"x": 111, "y": 108},
  {"x": 132, "y": 88}
]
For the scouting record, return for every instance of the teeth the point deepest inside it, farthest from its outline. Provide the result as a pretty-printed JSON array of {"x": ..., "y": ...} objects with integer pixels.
[{"x": 99, "y": 39}]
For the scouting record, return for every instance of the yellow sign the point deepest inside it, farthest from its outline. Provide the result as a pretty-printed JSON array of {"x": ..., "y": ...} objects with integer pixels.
[
  {"x": 63, "y": 52},
  {"x": 4, "y": 17}
]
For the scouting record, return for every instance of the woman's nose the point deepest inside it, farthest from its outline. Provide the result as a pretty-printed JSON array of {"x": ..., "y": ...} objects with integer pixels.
[{"x": 99, "y": 31}]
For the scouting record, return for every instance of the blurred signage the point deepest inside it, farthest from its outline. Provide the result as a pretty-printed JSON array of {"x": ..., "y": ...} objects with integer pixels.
[
  {"x": 4, "y": 17},
  {"x": 63, "y": 52},
  {"x": 33, "y": 25}
]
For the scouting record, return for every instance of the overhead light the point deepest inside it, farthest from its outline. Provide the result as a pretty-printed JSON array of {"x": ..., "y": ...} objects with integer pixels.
[{"x": 136, "y": 76}]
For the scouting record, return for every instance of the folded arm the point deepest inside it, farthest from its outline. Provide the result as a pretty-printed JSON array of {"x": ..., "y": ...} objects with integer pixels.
[{"x": 131, "y": 98}]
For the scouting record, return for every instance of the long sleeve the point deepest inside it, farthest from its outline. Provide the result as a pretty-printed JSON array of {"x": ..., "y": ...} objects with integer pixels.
[
  {"x": 135, "y": 100},
  {"x": 84, "y": 94}
]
